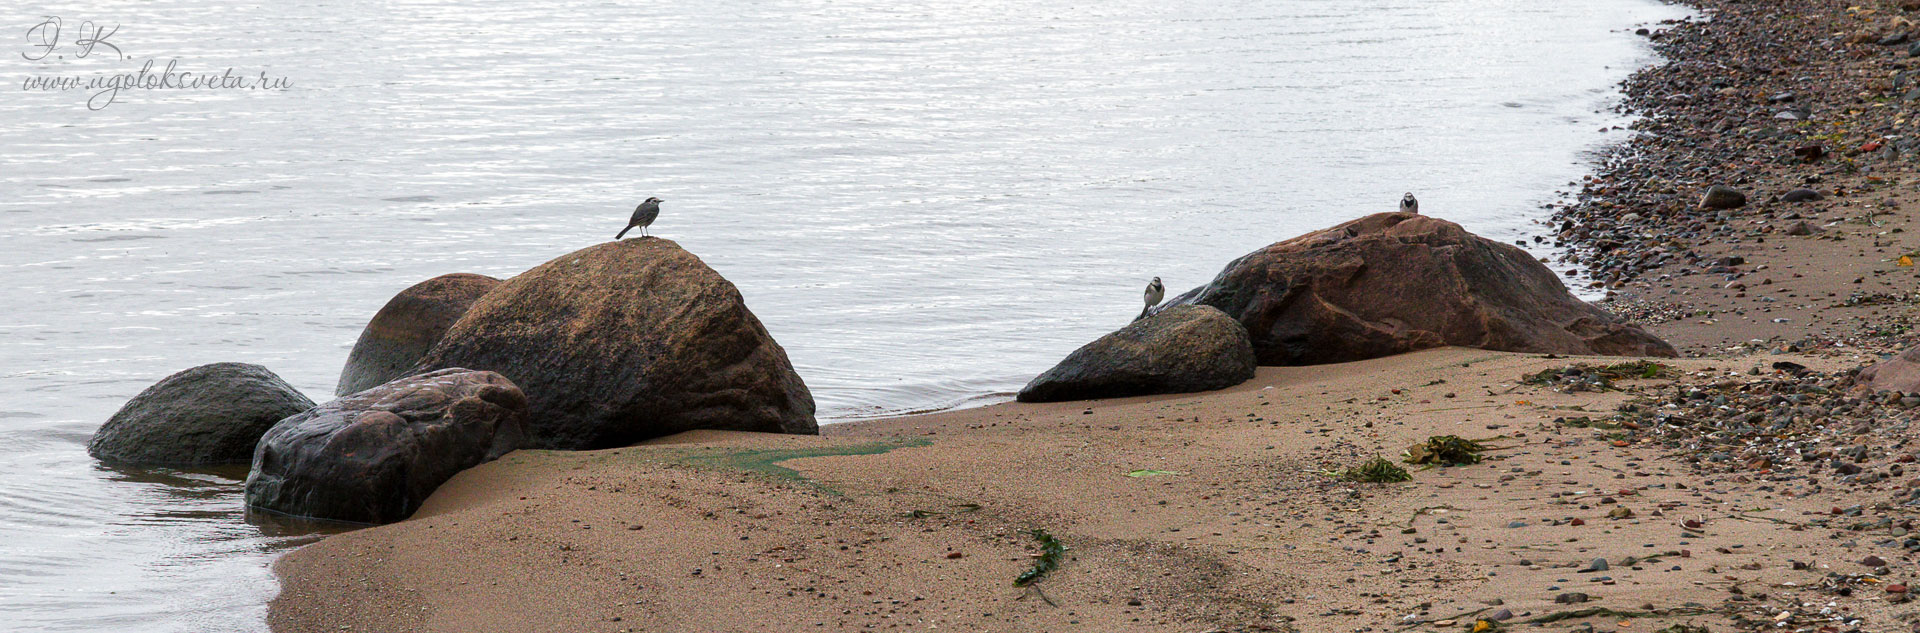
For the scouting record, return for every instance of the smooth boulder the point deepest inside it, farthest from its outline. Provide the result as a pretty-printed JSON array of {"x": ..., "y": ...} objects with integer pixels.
[
  {"x": 625, "y": 341},
  {"x": 1391, "y": 283},
  {"x": 207, "y": 415},
  {"x": 407, "y": 327},
  {"x": 376, "y": 455},
  {"x": 1722, "y": 197},
  {"x": 1900, "y": 373},
  {"x": 1179, "y": 350}
]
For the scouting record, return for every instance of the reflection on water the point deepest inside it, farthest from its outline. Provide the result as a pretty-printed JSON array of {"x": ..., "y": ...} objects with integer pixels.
[{"x": 926, "y": 203}]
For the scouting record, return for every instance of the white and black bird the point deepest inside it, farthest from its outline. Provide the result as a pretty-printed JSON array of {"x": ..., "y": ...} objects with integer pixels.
[
  {"x": 1408, "y": 204},
  {"x": 1155, "y": 292},
  {"x": 643, "y": 215}
]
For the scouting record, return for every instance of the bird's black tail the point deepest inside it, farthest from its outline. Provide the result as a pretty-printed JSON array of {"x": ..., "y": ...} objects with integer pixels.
[
  {"x": 1143, "y": 313},
  {"x": 623, "y": 232}
]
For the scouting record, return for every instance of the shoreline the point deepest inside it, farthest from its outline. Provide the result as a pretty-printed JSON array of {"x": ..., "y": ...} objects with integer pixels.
[{"x": 920, "y": 521}]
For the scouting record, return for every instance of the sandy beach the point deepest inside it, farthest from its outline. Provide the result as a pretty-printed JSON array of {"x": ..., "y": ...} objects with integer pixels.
[{"x": 1220, "y": 511}]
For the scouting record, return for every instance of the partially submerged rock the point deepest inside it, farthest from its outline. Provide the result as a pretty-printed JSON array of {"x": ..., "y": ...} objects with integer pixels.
[
  {"x": 376, "y": 455},
  {"x": 407, "y": 327},
  {"x": 626, "y": 341},
  {"x": 1178, "y": 350},
  {"x": 1391, "y": 283},
  {"x": 207, "y": 415}
]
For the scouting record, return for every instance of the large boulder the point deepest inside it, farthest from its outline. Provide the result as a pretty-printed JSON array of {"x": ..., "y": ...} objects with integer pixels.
[
  {"x": 626, "y": 341},
  {"x": 1178, "y": 350},
  {"x": 1391, "y": 283},
  {"x": 207, "y": 415},
  {"x": 1900, "y": 373},
  {"x": 376, "y": 455},
  {"x": 407, "y": 327}
]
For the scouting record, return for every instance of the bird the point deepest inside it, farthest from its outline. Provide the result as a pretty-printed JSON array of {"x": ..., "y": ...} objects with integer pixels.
[
  {"x": 1155, "y": 292},
  {"x": 1409, "y": 205},
  {"x": 643, "y": 215}
]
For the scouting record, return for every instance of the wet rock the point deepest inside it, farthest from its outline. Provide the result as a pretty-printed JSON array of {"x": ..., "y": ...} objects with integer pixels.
[
  {"x": 1800, "y": 195},
  {"x": 211, "y": 414},
  {"x": 1396, "y": 282},
  {"x": 1801, "y": 227},
  {"x": 626, "y": 341},
  {"x": 1178, "y": 350},
  {"x": 1723, "y": 197},
  {"x": 376, "y": 455},
  {"x": 407, "y": 327}
]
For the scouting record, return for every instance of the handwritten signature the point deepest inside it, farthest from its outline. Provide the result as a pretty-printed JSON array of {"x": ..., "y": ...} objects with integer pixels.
[{"x": 46, "y": 35}]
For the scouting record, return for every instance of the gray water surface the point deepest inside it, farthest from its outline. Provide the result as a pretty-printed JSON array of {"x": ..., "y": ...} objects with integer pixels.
[{"x": 926, "y": 203}]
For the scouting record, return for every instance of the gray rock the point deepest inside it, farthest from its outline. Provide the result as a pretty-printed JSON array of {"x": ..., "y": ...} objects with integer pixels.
[
  {"x": 1177, "y": 350},
  {"x": 1598, "y": 564},
  {"x": 207, "y": 415},
  {"x": 1800, "y": 195},
  {"x": 376, "y": 455},
  {"x": 1723, "y": 197}
]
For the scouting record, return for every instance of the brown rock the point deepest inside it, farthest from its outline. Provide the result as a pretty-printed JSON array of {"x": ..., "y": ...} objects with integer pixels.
[
  {"x": 626, "y": 341},
  {"x": 1397, "y": 282},
  {"x": 1900, "y": 373},
  {"x": 407, "y": 327}
]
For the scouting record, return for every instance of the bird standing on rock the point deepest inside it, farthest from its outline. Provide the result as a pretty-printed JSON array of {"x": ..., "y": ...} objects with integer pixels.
[
  {"x": 1155, "y": 292},
  {"x": 643, "y": 215},
  {"x": 1409, "y": 205}
]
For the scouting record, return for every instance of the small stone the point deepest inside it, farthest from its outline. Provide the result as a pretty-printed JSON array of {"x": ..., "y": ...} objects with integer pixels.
[
  {"x": 1873, "y": 561},
  {"x": 1570, "y": 598},
  {"x": 1598, "y": 564},
  {"x": 1501, "y": 615},
  {"x": 1800, "y": 195},
  {"x": 1723, "y": 197}
]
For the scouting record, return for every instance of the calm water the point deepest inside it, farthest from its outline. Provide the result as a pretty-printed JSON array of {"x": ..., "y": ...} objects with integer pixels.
[{"x": 925, "y": 203}]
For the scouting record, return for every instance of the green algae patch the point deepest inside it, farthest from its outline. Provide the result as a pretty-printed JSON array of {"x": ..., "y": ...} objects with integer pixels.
[{"x": 766, "y": 461}]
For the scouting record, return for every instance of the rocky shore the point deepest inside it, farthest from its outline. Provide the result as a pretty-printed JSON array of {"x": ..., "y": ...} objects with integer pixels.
[
  {"x": 1806, "y": 112},
  {"x": 1763, "y": 481}
]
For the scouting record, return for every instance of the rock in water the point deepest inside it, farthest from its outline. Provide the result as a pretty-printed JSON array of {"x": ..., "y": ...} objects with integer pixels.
[
  {"x": 376, "y": 455},
  {"x": 407, "y": 327},
  {"x": 211, "y": 414},
  {"x": 1391, "y": 283},
  {"x": 1723, "y": 197},
  {"x": 1177, "y": 350},
  {"x": 626, "y": 341},
  {"x": 1900, "y": 373}
]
